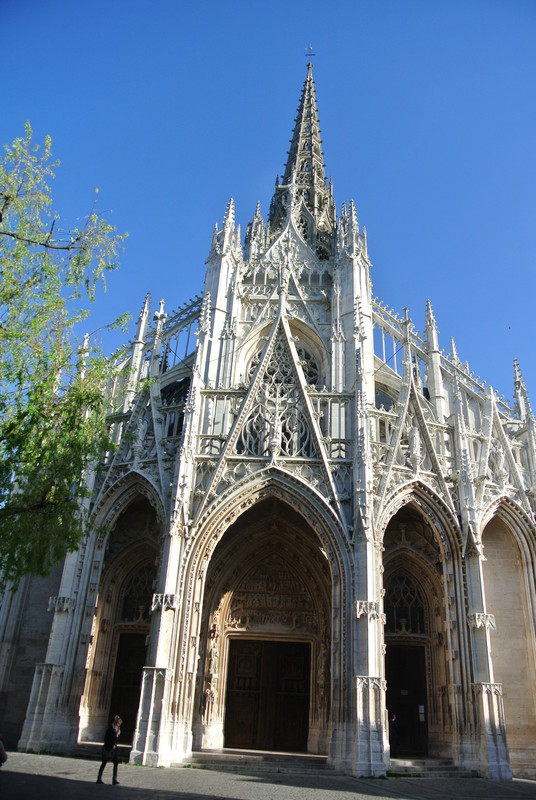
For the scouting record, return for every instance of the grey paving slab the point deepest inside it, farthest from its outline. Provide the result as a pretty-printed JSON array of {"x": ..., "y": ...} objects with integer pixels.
[{"x": 44, "y": 777}]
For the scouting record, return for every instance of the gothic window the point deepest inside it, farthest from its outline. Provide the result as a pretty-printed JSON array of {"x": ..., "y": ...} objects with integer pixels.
[
  {"x": 137, "y": 594},
  {"x": 173, "y": 399},
  {"x": 278, "y": 425},
  {"x": 306, "y": 360},
  {"x": 174, "y": 423},
  {"x": 255, "y": 361},
  {"x": 164, "y": 359},
  {"x": 309, "y": 366},
  {"x": 252, "y": 440},
  {"x": 175, "y": 393},
  {"x": 383, "y": 399},
  {"x": 177, "y": 347},
  {"x": 382, "y": 432},
  {"x": 404, "y": 606}
]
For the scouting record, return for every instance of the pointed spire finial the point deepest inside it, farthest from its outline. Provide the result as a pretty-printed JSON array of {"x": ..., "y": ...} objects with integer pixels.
[
  {"x": 454, "y": 351},
  {"x": 228, "y": 227},
  {"x": 521, "y": 394},
  {"x": 518, "y": 377},
  {"x": 229, "y": 213},
  {"x": 143, "y": 318},
  {"x": 430, "y": 318}
]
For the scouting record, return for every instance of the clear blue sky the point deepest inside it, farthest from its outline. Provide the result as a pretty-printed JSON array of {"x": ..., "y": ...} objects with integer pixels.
[{"x": 428, "y": 118}]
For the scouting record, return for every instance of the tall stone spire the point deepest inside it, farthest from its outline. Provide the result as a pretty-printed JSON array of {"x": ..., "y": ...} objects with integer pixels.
[
  {"x": 304, "y": 180},
  {"x": 305, "y": 154}
]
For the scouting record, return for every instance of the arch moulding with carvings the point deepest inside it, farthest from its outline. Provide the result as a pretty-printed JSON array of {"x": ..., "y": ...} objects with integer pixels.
[
  {"x": 231, "y": 504},
  {"x": 122, "y": 493},
  {"x": 433, "y": 508},
  {"x": 516, "y": 519}
]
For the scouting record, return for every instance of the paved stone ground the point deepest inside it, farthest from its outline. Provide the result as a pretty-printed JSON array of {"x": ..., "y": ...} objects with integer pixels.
[{"x": 43, "y": 777}]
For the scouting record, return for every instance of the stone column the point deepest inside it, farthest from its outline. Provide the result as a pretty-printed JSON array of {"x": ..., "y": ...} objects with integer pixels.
[
  {"x": 149, "y": 746},
  {"x": 492, "y": 731},
  {"x": 154, "y": 692},
  {"x": 492, "y": 748},
  {"x": 369, "y": 687}
]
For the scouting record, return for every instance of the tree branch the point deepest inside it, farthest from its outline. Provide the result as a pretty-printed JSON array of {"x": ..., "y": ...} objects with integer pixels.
[
  {"x": 45, "y": 243},
  {"x": 6, "y": 512}
]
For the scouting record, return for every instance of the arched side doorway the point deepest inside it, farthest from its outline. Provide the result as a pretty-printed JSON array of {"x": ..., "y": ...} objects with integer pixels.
[
  {"x": 121, "y": 624},
  {"x": 416, "y": 660},
  {"x": 265, "y": 665},
  {"x": 507, "y": 578},
  {"x": 407, "y": 664},
  {"x": 129, "y": 648}
]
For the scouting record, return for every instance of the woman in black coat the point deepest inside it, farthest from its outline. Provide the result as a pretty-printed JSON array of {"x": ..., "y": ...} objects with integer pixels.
[{"x": 109, "y": 750}]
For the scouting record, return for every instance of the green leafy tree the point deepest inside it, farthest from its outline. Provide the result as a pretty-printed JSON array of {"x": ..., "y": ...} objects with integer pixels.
[{"x": 52, "y": 385}]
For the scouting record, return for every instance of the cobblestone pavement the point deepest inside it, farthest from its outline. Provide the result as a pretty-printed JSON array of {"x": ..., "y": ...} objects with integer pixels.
[{"x": 45, "y": 777}]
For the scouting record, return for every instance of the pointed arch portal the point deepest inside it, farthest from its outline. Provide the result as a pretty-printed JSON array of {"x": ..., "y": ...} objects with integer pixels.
[
  {"x": 267, "y": 618},
  {"x": 509, "y": 587},
  {"x": 118, "y": 647},
  {"x": 417, "y": 670}
]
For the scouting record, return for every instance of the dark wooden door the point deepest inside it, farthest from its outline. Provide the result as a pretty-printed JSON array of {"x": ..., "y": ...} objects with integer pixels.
[
  {"x": 406, "y": 697},
  {"x": 126, "y": 686},
  {"x": 267, "y": 701}
]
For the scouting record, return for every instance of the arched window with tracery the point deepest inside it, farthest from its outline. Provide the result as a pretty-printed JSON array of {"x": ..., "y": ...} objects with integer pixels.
[
  {"x": 278, "y": 422},
  {"x": 137, "y": 594},
  {"x": 404, "y": 606}
]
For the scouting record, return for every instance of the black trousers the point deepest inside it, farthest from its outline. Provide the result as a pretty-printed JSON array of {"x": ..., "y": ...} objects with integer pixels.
[{"x": 105, "y": 761}]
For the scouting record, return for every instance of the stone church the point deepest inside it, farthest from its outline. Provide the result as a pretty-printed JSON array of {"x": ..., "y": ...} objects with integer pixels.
[{"x": 313, "y": 519}]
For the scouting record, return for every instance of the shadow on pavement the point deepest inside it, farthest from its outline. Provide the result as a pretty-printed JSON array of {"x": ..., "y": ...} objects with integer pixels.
[
  {"x": 43, "y": 787},
  {"x": 207, "y": 785}
]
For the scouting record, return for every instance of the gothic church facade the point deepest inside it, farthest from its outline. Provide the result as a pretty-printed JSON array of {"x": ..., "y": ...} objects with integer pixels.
[{"x": 313, "y": 518}]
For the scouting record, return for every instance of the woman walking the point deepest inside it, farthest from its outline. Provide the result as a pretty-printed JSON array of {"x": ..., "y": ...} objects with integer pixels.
[{"x": 109, "y": 750}]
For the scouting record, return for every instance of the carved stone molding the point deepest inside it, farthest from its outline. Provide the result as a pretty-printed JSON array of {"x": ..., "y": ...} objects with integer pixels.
[
  {"x": 488, "y": 688},
  {"x": 53, "y": 670},
  {"x": 57, "y": 603},
  {"x": 157, "y": 674},
  {"x": 370, "y": 682},
  {"x": 369, "y": 608},
  {"x": 164, "y": 602},
  {"x": 480, "y": 620},
  {"x": 90, "y": 609}
]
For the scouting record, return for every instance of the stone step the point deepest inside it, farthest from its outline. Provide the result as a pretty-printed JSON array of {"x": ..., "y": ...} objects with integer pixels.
[
  {"x": 256, "y": 761},
  {"x": 266, "y": 762},
  {"x": 427, "y": 768},
  {"x": 93, "y": 750}
]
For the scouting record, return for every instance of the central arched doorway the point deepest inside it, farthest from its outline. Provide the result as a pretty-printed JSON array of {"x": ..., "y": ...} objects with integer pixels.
[{"x": 267, "y": 617}]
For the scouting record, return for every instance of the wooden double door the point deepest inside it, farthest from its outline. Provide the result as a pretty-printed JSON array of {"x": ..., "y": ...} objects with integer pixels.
[
  {"x": 406, "y": 697},
  {"x": 267, "y": 699}
]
